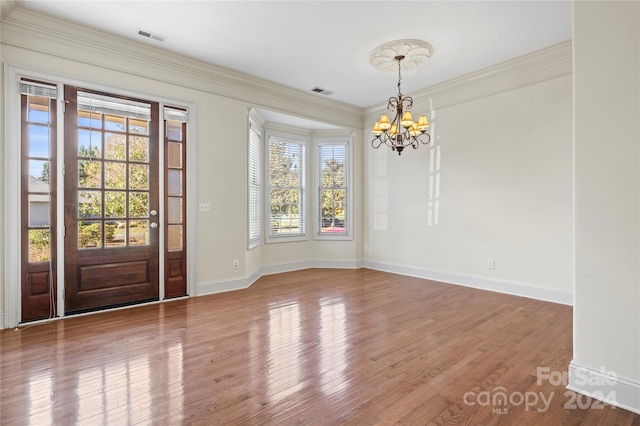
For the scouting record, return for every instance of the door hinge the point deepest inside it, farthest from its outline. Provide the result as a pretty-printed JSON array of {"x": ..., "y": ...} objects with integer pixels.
[
  {"x": 64, "y": 169},
  {"x": 64, "y": 231}
]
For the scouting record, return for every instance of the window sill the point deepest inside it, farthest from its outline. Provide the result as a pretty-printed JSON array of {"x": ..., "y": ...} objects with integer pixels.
[{"x": 286, "y": 239}]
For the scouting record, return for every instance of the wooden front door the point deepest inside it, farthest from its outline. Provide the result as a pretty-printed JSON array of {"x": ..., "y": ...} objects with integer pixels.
[{"x": 111, "y": 179}]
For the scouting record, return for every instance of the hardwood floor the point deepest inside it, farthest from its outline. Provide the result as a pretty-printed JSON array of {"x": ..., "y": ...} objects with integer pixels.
[{"x": 318, "y": 346}]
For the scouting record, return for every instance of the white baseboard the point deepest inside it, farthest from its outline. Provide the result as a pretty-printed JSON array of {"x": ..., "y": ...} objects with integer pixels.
[
  {"x": 548, "y": 294},
  {"x": 220, "y": 286},
  {"x": 604, "y": 387}
]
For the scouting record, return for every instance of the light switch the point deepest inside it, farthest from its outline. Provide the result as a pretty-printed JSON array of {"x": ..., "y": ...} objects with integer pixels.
[{"x": 205, "y": 207}]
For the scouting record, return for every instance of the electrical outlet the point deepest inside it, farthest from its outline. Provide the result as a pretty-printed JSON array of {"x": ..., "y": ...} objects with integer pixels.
[
  {"x": 491, "y": 264},
  {"x": 205, "y": 207},
  {"x": 236, "y": 264}
]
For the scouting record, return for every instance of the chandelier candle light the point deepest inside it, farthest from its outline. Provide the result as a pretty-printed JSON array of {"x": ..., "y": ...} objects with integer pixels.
[{"x": 402, "y": 131}]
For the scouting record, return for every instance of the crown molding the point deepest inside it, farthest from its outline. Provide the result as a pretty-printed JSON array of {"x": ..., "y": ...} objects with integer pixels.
[
  {"x": 42, "y": 33},
  {"x": 34, "y": 31},
  {"x": 541, "y": 65}
]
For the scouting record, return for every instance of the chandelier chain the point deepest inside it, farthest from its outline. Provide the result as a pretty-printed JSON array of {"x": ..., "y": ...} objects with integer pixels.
[{"x": 399, "y": 78}]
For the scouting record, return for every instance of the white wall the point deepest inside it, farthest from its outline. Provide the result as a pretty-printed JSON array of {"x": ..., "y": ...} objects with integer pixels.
[
  {"x": 607, "y": 196},
  {"x": 504, "y": 193}
]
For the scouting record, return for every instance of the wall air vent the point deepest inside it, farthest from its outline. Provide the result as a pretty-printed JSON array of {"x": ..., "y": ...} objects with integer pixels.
[
  {"x": 321, "y": 90},
  {"x": 151, "y": 35}
]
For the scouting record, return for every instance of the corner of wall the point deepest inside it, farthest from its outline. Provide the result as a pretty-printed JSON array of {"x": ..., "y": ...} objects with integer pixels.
[{"x": 604, "y": 386}]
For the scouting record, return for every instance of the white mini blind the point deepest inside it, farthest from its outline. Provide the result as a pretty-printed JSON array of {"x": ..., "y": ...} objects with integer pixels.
[
  {"x": 255, "y": 184},
  {"x": 38, "y": 89},
  {"x": 114, "y": 106},
  {"x": 175, "y": 114},
  {"x": 333, "y": 188}
]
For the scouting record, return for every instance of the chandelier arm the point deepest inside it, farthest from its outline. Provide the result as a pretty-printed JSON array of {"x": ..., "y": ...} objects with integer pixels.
[
  {"x": 373, "y": 142},
  {"x": 393, "y": 103},
  {"x": 409, "y": 101}
]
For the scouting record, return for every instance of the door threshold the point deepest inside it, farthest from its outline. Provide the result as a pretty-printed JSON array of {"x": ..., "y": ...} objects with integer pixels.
[{"x": 24, "y": 325}]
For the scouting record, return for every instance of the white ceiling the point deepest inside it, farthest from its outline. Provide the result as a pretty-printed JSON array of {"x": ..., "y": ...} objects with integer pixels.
[{"x": 304, "y": 44}]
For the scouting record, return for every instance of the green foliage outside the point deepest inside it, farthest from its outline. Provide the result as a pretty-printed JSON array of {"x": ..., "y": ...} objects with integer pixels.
[{"x": 39, "y": 244}]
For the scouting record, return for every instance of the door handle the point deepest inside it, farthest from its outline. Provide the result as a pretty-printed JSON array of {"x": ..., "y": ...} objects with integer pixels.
[
  {"x": 153, "y": 225},
  {"x": 153, "y": 212}
]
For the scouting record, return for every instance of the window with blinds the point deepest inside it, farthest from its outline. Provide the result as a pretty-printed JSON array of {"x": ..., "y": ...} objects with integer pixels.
[
  {"x": 333, "y": 189},
  {"x": 255, "y": 185},
  {"x": 286, "y": 212}
]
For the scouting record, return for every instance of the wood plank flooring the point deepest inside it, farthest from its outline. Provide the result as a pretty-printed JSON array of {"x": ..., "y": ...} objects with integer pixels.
[{"x": 312, "y": 347}]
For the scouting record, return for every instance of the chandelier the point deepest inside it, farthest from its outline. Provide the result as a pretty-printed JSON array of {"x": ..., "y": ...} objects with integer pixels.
[{"x": 402, "y": 131}]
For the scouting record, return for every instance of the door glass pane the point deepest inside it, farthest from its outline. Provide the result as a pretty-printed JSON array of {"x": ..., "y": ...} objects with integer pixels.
[
  {"x": 38, "y": 109},
  {"x": 89, "y": 234},
  {"x": 89, "y": 174},
  {"x": 174, "y": 213},
  {"x": 174, "y": 183},
  {"x": 38, "y": 141},
  {"x": 114, "y": 175},
  {"x": 174, "y": 130},
  {"x": 140, "y": 127},
  {"x": 89, "y": 143},
  {"x": 114, "y": 146},
  {"x": 139, "y": 149},
  {"x": 115, "y": 234},
  {"x": 138, "y": 232},
  {"x": 87, "y": 119},
  {"x": 39, "y": 245},
  {"x": 175, "y": 155},
  {"x": 39, "y": 176},
  {"x": 89, "y": 204},
  {"x": 138, "y": 204},
  {"x": 138, "y": 176},
  {"x": 114, "y": 204},
  {"x": 114, "y": 122},
  {"x": 174, "y": 239},
  {"x": 39, "y": 210}
]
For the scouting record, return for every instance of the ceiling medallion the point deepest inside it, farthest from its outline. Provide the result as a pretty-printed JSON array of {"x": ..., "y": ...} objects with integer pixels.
[
  {"x": 414, "y": 52},
  {"x": 402, "y": 131}
]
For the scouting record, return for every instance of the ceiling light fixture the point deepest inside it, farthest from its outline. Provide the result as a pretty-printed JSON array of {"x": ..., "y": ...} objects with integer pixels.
[{"x": 402, "y": 131}]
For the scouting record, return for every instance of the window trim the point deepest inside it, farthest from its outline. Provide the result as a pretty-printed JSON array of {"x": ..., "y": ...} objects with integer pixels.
[
  {"x": 304, "y": 143},
  {"x": 337, "y": 140}
]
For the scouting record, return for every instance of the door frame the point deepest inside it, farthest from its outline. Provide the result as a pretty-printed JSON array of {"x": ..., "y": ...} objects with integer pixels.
[{"x": 12, "y": 220}]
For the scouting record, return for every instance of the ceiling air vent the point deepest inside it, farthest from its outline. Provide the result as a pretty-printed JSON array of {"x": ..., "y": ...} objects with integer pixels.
[
  {"x": 321, "y": 90},
  {"x": 150, "y": 35}
]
